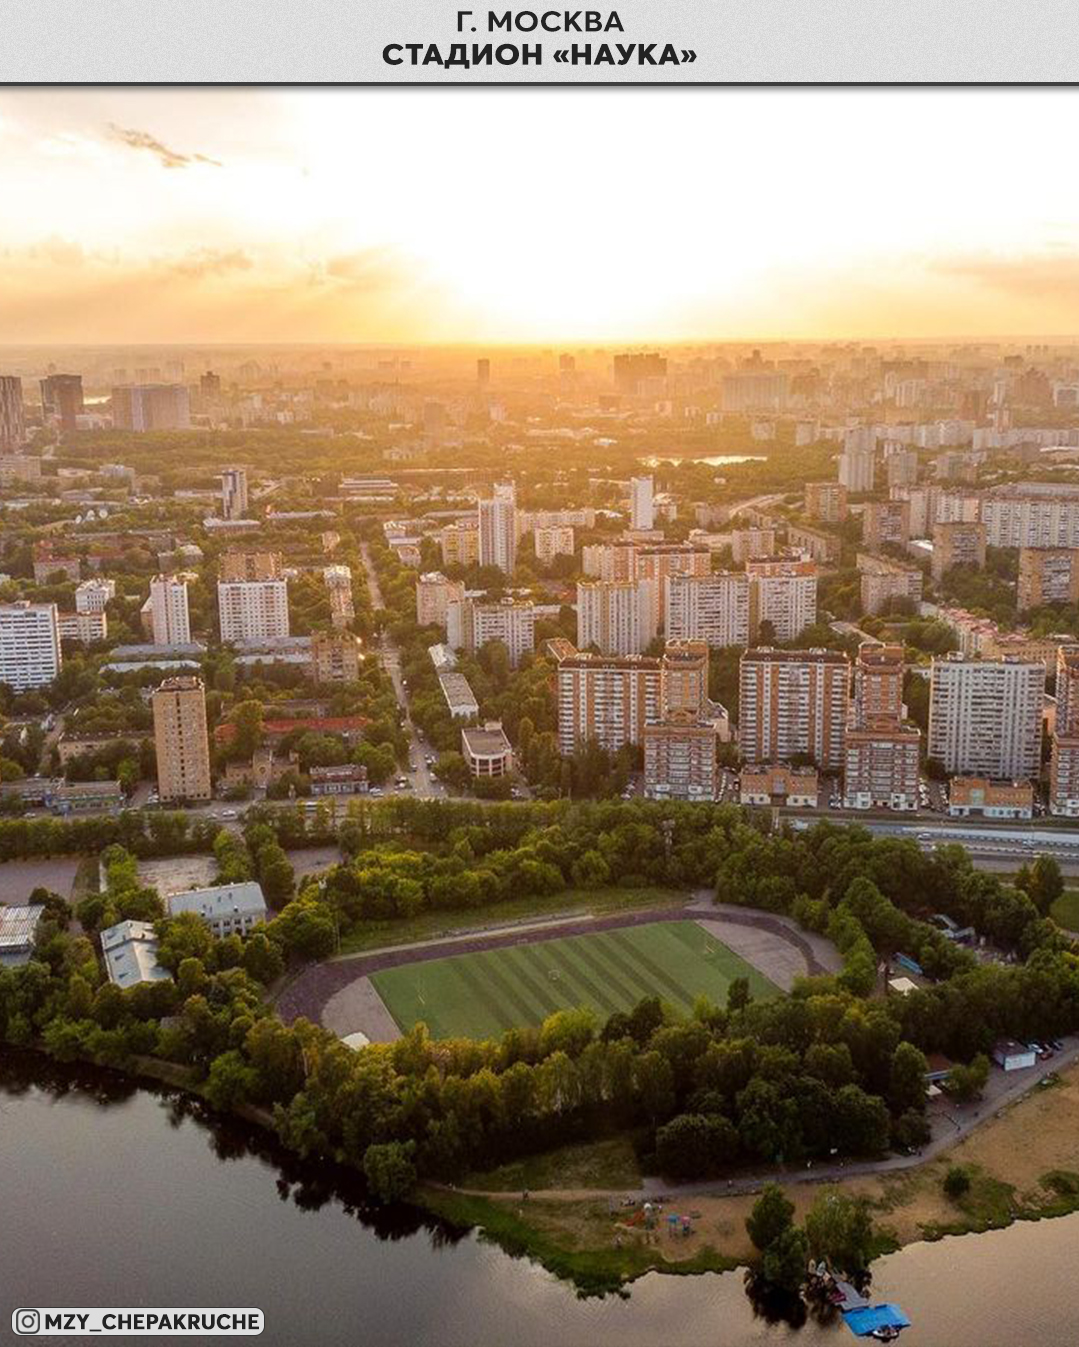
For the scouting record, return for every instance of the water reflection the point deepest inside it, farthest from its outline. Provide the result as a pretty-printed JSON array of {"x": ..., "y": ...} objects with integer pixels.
[{"x": 116, "y": 1195}]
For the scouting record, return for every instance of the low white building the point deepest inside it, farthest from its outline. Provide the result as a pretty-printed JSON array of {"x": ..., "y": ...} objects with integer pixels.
[
  {"x": 129, "y": 950},
  {"x": 487, "y": 750},
  {"x": 228, "y": 909},
  {"x": 1013, "y": 1056},
  {"x": 18, "y": 927}
]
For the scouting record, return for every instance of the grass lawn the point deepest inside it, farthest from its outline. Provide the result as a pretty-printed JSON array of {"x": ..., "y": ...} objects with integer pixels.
[
  {"x": 482, "y": 995},
  {"x": 1065, "y": 911},
  {"x": 372, "y": 935},
  {"x": 596, "y": 1164}
]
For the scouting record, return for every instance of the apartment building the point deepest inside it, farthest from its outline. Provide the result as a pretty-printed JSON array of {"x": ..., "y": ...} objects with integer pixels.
[
  {"x": 680, "y": 758},
  {"x": 434, "y": 594},
  {"x": 642, "y": 513},
  {"x": 1064, "y": 760},
  {"x": 12, "y": 417},
  {"x": 823, "y": 548},
  {"x": 460, "y": 543},
  {"x": 660, "y": 563},
  {"x": 882, "y": 750},
  {"x": 234, "y": 493},
  {"x": 169, "y": 614},
  {"x": 883, "y": 581},
  {"x": 1031, "y": 514},
  {"x": 793, "y": 702},
  {"x": 30, "y": 655},
  {"x": 752, "y": 542},
  {"x": 886, "y": 521},
  {"x": 1047, "y": 575},
  {"x": 618, "y": 617},
  {"x": 610, "y": 561},
  {"x": 783, "y": 593},
  {"x": 957, "y": 543},
  {"x": 553, "y": 540},
  {"x": 471, "y": 624},
  {"x": 826, "y": 502},
  {"x": 92, "y": 596},
  {"x": 684, "y": 684},
  {"x": 252, "y": 609},
  {"x": 144, "y": 407},
  {"x": 985, "y": 716},
  {"x": 86, "y": 628},
  {"x": 180, "y": 739},
  {"x": 607, "y": 698},
  {"x": 498, "y": 528},
  {"x": 336, "y": 657},
  {"x": 712, "y": 608}
]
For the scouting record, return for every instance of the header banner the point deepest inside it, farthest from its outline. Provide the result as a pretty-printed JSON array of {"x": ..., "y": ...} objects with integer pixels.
[{"x": 634, "y": 41}]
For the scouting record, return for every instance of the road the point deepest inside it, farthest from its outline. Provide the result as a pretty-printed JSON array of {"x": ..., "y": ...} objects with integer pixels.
[{"x": 423, "y": 783}]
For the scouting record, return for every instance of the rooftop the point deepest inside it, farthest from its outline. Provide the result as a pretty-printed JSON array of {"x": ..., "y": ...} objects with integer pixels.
[
  {"x": 220, "y": 901},
  {"x": 129, "y": 950}
]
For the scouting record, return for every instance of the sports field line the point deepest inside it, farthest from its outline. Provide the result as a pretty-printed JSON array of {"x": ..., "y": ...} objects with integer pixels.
[
  {"x": 524, "y": 969},
  {"x": 568, "y": 959}
]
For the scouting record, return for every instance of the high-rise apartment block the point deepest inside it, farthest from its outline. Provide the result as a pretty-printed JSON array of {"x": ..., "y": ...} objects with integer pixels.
[
  {"x": 985, "y": 716},
  {"x": 957, "y": 544},
  {"x": 883, "y": 581},
  {"x": 607, "y": 698},
  {"x": 335, "y": 657},
  {"x": 610, "y": 561},
  {"x": 92, "y": 596},
  {"x": 712, "y": 608},
  {"x": 169, "y": 610},
  {"x": 552, "y": 541},
  {"x": 234, "y": 493},
  {"x": 618, "y": 617},
  {"x": 1064, "y": 761},
  {"x": 1047, "y": 575},
  {"x": 886, "y": 521},
  {"x": 460, "y": 543},
  {"x": 782, "y": 593},
  {"x": 826, "y": 502},
  {"x": 793, "y": 702},
  {"x": 642, "y": 513},
  {"x": 252, "y": 598},
  {"x": 62, "y": 400},
  {"x": 858, "y": 459},
  {"x": 181, "y": 739},
  {"x": 752, "y": 542},
  {"x": 145, "y": 407},
  {"x": 12, "y": 417},
  {"x": 680, "y": 758},
  {"x": 1031, "y": 514},
  {"x": 471, "y": 625},
  {"x": 434, "y": 593},
  {"x": 881, "y": 750},
  {"x": 30, "y": 654},
  {"x": 498, "y": 528}
]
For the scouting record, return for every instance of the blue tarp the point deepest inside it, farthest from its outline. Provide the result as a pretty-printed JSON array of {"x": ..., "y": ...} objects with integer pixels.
[{"x": 862, "y": 1322}]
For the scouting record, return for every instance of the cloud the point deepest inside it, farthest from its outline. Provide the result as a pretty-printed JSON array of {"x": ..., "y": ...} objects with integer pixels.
[
  {"x": 143, "y": 140},
  {"x": 202, "y": 262},
  {"x": 1031, "y": 276},
  {"x": 368, "y": 269}
]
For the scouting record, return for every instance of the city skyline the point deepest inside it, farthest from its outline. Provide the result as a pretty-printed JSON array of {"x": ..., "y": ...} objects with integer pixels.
[{"x": 243, "y": 216}]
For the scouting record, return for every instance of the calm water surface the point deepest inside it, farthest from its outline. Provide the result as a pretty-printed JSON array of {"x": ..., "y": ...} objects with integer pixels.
[{"x": 115, "y": 1196}]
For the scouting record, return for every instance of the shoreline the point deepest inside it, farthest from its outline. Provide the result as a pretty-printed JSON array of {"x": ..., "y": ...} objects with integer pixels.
[{"x": 582, "y": 1236}]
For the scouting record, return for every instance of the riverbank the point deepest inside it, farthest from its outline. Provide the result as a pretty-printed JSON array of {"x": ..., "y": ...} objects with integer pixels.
[{"x": 1022, "y": 1164}]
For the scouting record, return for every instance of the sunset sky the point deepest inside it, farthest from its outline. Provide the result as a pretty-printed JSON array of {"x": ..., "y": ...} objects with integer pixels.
[{"x": 520, "y": 215}]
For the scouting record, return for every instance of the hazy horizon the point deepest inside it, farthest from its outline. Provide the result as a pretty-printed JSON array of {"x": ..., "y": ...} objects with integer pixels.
[{"x": 522, "y": 218}]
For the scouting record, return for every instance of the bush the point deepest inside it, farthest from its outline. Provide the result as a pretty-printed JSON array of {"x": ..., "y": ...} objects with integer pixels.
[{"x": 956, "y": 1182}]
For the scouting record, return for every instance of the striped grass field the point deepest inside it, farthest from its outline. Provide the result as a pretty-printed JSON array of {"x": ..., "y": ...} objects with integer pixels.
[{"x": 483, "y": 994}]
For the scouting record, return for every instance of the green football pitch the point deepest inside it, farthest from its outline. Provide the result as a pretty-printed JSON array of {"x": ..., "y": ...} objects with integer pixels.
[{"x": 482, "y": 995}]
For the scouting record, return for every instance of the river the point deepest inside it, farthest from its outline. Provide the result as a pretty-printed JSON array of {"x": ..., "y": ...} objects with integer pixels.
[{"x": 117, "y": 1196}]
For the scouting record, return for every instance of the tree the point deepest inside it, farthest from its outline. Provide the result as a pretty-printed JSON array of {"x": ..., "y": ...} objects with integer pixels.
[
  {"x": 956, "y": 1182},
  {"x": 784, "y": 1261},
  {"x": 1045, "y": 884},
  {"x": 839, "y": 1230},
  {"x": 966, "y": 1083},
  {"x": 693, "y": 1146},
  {"x": 231, "y": 1081},
  {"x": 738, "y": 994},
  {"x": 906, "y": 1089},
  {"x": 772, "y": 1216},
  {"x": 389, "y": 1169}
]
